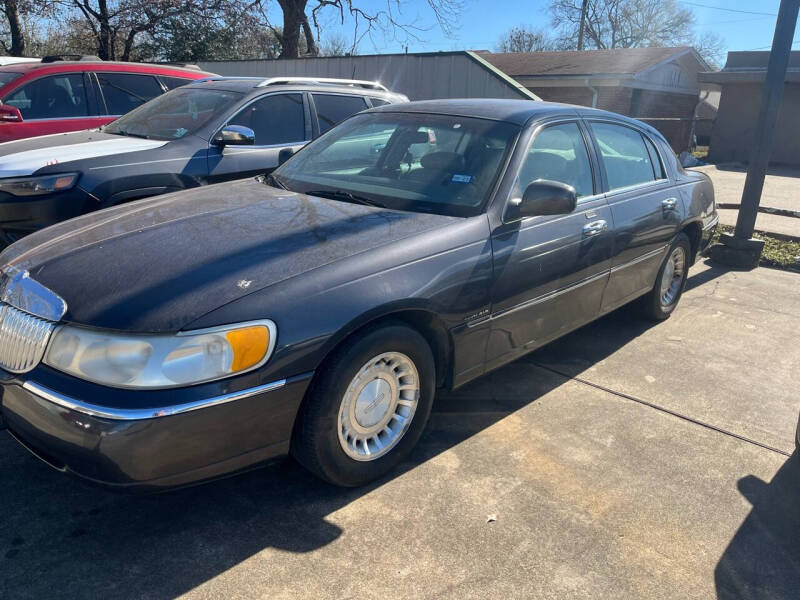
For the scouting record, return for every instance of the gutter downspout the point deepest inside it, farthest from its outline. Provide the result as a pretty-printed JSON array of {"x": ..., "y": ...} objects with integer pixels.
[{"x": 593, "y": 90}]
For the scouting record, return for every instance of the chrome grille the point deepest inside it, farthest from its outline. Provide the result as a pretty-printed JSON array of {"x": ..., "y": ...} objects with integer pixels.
[{"x": 23, "y": 339}]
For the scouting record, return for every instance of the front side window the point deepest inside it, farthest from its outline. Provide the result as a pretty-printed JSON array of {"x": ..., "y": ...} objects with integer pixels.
[
  {"x": 417, "y": 162},
  {"x": 558, "y": 153},
  {"x": 625, "y": 156},
  {"x": 57, "y": 96},
  {"x": 276, "y": 119},
  {"x": 333, "y": 109},
  {"x": 125, "y": 91},
  {"x": 175, "y": 114}
]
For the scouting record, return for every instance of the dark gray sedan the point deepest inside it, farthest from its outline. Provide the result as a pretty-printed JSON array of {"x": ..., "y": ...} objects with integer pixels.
[{"x": 317, "y": 310}]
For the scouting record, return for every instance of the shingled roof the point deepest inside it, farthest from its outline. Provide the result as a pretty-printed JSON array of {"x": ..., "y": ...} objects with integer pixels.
[{"x": 620, "y": 61}]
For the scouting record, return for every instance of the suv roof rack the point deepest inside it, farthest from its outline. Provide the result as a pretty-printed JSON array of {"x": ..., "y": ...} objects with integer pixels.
[
  {"x": 369, "y": 85},
  {"x": 71, "y": 57}
]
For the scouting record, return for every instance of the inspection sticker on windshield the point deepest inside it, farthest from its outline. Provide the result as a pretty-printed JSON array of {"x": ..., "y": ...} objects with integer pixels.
[{"x": 456, "y": 178}]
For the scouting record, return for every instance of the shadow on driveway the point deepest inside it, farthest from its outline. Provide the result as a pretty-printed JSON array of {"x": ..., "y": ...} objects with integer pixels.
[{"x": 763, "y": 559}]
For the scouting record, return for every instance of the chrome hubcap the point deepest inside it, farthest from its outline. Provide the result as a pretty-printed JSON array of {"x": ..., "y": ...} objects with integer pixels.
[
  {"x": 672, "y": 277},
  {"x": 378, "y": 406}
]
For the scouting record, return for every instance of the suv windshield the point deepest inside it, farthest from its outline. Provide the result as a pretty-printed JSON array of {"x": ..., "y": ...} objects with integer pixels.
[
  {"x": 405, "y": 161},
  {"x": 175, "y": 114}
]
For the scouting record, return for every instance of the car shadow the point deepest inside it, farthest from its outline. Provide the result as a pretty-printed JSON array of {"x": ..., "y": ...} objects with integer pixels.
[
  {"x": 59, "y": 533},
  {"x": 763, "y": 558}
]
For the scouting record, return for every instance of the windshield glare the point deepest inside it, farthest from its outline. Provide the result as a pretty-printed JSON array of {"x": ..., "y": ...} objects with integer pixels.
[
  {"x": 175, "y": 114},
  {"x": 418, "y": 162}
]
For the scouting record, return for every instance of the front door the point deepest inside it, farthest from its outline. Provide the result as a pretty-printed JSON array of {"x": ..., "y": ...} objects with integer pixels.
[
  {"x": 550, "y": 271},
  {"x": 645, "y": 207},
  {"x": 278, "y": 120}
]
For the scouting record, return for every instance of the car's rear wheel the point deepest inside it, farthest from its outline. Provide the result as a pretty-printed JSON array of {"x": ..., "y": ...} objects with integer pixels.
[
  {"x": 659, "y": 303},
  {"x": 367, "y": 407}
]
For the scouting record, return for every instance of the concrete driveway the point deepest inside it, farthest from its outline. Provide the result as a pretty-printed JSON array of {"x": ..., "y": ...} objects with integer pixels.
[{"x": 624, "y": 461}]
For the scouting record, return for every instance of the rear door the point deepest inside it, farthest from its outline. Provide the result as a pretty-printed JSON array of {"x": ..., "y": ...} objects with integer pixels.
[
  {"x": 644, "y": 206},
  {"x": 279, "y": 120},
  {"x": 550, "y": 271},
  {"x": 122, "y": 92}
]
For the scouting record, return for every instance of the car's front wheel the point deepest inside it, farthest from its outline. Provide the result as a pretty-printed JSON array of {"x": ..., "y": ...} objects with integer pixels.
[{"x": 367, "y": 407}]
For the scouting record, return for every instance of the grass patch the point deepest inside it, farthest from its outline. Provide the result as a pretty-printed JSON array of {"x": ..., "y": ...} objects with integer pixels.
[
  {"x": 700, "y": 152},
  {"x": 778, "y": 254}
]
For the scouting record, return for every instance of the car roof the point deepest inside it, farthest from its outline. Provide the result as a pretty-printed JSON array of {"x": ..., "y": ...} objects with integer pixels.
[
  {"x": 518, "y": 112},
  {"x": 91, "y": 65},
  {"x": 249, "y": 85}
]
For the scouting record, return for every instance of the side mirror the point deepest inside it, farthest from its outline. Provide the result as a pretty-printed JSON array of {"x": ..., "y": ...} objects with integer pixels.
[
  {"x": 543, "y": 197},
  {"x": 235, "y": 135},
  {"x": 284, "y": 155},
  {"x": 10, "y": 114}
]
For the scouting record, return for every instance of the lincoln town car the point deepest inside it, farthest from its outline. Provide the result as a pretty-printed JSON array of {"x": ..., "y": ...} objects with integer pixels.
[{"x": 316, "y": 310}]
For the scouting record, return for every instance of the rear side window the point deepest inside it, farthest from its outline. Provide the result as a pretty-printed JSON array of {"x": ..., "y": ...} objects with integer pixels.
[
  {"x": 333, "y": 109},
  {"x": 625, "y": 157},
  {"x": 275, "y": 119},
  {"x": 174, "y": 82},
  {"x": 54, "y": 97},
  {"x": 658, "y": 168},
  {"x": 376, "y": 102},
  {"x": 125, "y": 91}
]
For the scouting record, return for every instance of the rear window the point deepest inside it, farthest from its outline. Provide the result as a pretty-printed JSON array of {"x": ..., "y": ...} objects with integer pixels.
[
  {"x": 174, "y": 82},
  {"x": 125, "y": 91},
  {"x": 332, "y": 109}
]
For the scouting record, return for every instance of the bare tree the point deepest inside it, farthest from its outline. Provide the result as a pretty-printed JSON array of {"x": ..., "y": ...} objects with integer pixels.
[
  {"x": 712, "y": 48},
  {"x": 116, "y": 24},
  {"x": 14, "y": 44},
  {"x": 624, "y": 23},
  {"x": 301, "y": 20},
  {"x": 523, "y": 38},
  {"x": 16, "y": 16},
  {"x": 336, "y": 45}
]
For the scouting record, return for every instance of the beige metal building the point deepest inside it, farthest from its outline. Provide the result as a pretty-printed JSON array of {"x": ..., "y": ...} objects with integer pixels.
[
  {"x": 423, "y": 76},
  {"x": 742, "y": 81}
]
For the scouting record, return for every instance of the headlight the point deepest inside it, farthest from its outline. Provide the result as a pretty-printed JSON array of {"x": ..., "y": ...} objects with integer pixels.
[
  {"x": 35, "y": 186},
  {"x": 160, "y": 361}
]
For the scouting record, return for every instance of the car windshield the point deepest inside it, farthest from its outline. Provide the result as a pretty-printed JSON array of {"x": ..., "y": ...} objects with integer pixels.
[
  {"x": 419, "y": 162},
  {"x": 175, "y": 114}
]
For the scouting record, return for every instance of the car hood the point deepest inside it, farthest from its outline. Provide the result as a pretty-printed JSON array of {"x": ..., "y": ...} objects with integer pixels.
[
  {"x": 159, "y": 264},
  {"x": 25, "y": 157}
]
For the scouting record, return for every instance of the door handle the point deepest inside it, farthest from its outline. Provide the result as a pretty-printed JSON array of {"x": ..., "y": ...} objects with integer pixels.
[
  {"x": 594, "y": 228},
  {"x": 669, "y": 203}
]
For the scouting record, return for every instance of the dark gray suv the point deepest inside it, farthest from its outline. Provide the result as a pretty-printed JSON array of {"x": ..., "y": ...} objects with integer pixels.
[{"x": 213, "y": 130}]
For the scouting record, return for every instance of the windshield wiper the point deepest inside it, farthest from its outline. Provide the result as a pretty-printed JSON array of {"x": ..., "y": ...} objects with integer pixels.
[
  {"x": 346, "y": 196},
  {"x": 274, "y": 182},
  {"x": 129, "y": 134}
]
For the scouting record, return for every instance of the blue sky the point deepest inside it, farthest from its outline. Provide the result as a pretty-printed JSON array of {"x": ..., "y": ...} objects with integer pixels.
[{"x": 484, "y": 21}]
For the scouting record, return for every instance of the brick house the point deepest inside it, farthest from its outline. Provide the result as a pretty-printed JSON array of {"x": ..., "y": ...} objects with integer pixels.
[{"x": 657, "y": 85}]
